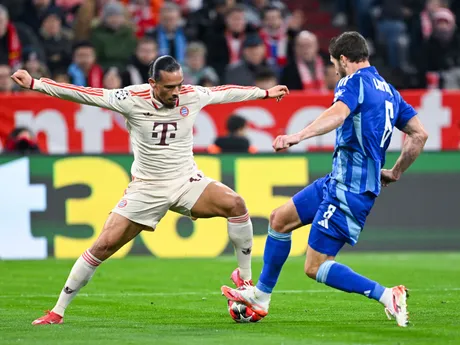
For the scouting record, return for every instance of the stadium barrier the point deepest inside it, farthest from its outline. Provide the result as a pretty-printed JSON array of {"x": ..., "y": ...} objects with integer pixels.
[
  {"x": 55, "y": 206},
  {"x": 65, "y": 127}
]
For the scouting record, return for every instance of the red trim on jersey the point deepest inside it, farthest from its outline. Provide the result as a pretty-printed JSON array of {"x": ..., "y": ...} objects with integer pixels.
[
  {"x": 266, "y": 94},
  {"x": 140, "y": 93},
  {"x": 32, "y": 84},
  {"x": 86, "y": 90},
  {"x": 185, "y": 92},
  {"x": 229, "y": 87},
  {"x": 154, "y": 104}
]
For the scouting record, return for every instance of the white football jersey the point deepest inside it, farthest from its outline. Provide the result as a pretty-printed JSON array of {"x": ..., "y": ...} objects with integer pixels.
[{"x": 161, "y": 138}]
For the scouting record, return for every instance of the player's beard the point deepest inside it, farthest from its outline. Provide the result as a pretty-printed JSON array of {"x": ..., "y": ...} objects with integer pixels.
[{"x": 342, "y": 72}]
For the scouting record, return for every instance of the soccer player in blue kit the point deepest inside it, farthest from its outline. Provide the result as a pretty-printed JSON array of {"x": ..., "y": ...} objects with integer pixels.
[{"x": 364, "y": 112}]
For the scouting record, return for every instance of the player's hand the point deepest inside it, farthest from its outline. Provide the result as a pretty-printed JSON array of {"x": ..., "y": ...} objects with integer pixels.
[
  {"x": 278, "y": 92},
  {"x": 22, "y": 78},
  {"x": 283, "y": 142},
  {"x": 387, "y": 177}
]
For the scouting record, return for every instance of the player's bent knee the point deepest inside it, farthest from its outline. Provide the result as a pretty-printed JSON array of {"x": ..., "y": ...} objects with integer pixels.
[
  {"x": 237, "y": 207},
  {"x": 278, "y": 223},
  {"x": 311, "y": 271}
]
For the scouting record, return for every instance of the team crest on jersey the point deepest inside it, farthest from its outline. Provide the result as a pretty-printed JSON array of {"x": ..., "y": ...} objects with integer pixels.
[
  {"x": 184, "y": 111},
  {"x": 122, "y": 203}
]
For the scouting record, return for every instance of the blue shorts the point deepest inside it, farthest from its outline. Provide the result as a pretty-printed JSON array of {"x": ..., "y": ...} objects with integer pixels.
[{"x": 336, "y": 215}]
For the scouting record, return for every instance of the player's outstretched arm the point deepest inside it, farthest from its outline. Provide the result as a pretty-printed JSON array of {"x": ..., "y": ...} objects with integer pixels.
[
  {"x": 83, "y": 95},
  {"x": 236, "y": 93},
  {"x": 413, "y": 146},
  {"x": 329, "y": 120}
]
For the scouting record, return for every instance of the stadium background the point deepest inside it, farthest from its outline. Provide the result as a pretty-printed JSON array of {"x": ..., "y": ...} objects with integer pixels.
[{"x": 57, "y": 200}]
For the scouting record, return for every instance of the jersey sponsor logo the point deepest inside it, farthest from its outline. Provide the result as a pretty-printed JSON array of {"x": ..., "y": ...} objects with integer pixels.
[
  {"x": 166, "y": 130},
  {"x": 197, "y": 179},
  {"x": 122, "y": 203},
  {"x": 184, "y": 111}
]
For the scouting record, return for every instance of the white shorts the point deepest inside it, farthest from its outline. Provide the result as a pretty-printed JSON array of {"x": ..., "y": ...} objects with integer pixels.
[{"x": 146, "y": 202}]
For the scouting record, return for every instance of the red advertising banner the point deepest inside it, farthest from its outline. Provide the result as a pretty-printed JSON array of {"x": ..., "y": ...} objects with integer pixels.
[{"x": 65, "y": 127}]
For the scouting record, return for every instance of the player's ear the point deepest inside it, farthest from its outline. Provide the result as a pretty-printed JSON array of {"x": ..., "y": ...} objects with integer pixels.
[{"x": 152, "y": 82}]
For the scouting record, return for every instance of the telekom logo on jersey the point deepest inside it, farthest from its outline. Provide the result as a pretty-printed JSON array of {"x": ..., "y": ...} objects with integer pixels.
[{"x": 164, "y": 131}]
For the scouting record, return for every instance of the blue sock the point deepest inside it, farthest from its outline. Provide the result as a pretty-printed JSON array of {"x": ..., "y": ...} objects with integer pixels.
[
  {"x": 344, "y": 278},
  {"x": 277, "y": 248}
]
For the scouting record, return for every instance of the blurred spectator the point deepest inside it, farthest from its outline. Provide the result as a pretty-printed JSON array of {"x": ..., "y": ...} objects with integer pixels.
[
  {"x": 60, "y": 76},
  {"x": 331, "y": 77},
  {"x": 361, "y": 11},
  {"x": 265, "y": 78},
  {"x": 169, "y": 34},
  {"x": 207, "y": 82},
  {"x": 21, "y": 141},
  {"x": 15, "y": 8},
  {"x": 33, "y": 13},
  {"x": 224, "y": 48},
  {"x": 84, "y": 71},
  {"x": 10, "y": 44},
  {"x": 236, "y": 140},
  {"x": 113, "y": 38},
  {"x": 144, "y": 14},
  {"x": 441, "y": 51},
  {"x": 137, "y": 72},
  {"x": 255, "y": 10},
  {"x": 306, "y": 71},
  {"x": 244, "y": 72},
  {"x": 278, "y": 35},
  {"x": 195, "y": 68},
  {"x": 210, "y": 18},
  {"x": 392, "y": 31},
  {"x": 6, "y": 83},
  {"x": 56, "y": 40},
  {"x": 112, "y": 79},
  {"x": 32, "y": 64}
]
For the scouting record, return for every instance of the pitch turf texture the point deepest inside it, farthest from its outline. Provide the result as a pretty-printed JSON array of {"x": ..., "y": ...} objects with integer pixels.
[{"x": 143, "y": 300}]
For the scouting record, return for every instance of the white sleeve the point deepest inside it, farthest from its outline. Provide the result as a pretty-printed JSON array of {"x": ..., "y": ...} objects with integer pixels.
[
  {"x": 229, "y": 94},
  {"x": 118, "y": 100}
]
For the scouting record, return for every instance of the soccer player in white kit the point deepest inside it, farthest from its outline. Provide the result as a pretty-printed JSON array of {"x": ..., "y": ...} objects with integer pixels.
[{"x": 160, "y": 117}]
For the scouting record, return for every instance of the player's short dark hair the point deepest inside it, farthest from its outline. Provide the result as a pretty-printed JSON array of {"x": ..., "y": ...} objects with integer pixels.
[
  {"x": 351, "y": 45},
  {"x": 164, "y": 63},
  {"x": 235, "y": 122}
]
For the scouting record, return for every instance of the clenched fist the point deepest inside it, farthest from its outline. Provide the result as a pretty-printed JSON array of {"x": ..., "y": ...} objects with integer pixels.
[
  {"x": 278, "y": 92},
  {"x": 22, "y": 78}
]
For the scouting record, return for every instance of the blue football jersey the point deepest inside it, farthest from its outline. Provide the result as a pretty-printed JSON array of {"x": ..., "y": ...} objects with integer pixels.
[{"x": 376, "y": 108}]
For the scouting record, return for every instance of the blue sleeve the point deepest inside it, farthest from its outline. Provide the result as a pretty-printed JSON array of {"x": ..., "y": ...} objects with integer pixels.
[
  {"x": 348, "y": 91},
  {"x": 406, "y": 112}
]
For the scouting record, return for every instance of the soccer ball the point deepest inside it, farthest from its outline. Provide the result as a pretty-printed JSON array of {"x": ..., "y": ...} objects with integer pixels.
[{"x": 241, "y": 313}]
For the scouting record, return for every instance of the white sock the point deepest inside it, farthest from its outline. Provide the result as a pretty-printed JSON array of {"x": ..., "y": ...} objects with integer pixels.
[
  {"x": 262, "y": 296},
  {"x": 240, "y": 233},
  {"x": 386, "y": 297},
  {"x": 81, "y": 273}
]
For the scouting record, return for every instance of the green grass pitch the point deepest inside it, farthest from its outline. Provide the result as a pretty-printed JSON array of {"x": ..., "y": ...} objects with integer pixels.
[{"x": 142, "y": 300}]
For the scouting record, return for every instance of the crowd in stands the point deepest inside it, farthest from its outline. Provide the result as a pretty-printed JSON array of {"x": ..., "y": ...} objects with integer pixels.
[{"x": 110, "y": 43}]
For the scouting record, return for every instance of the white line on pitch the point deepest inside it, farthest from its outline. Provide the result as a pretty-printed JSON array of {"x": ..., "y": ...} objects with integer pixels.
[{"x": 191, "y": 293}]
